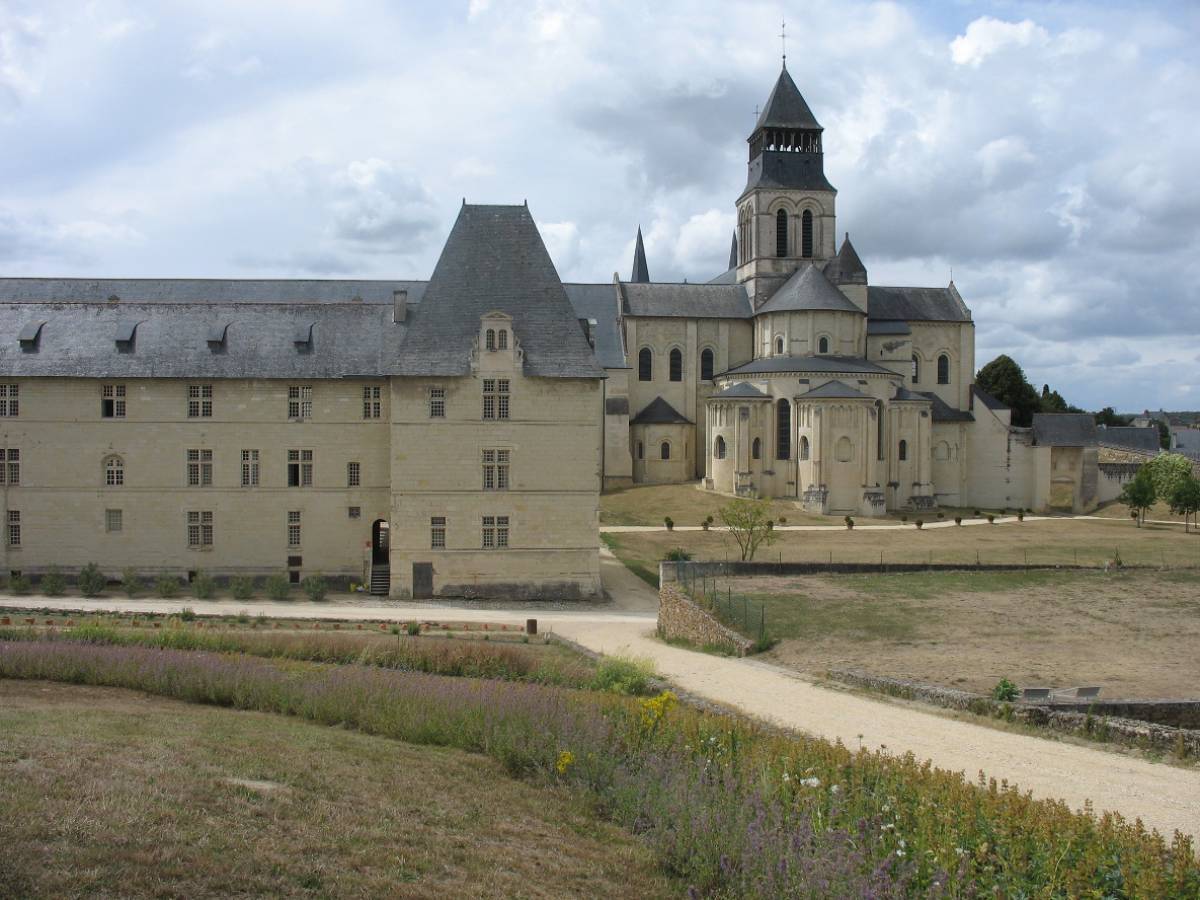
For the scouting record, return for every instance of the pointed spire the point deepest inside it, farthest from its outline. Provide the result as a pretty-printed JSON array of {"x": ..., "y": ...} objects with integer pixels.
[
  {"x": 641, "y": 272},
  {"x": 846, "y": 267},
  {"x": 786, "y": 107},
  {"x": 733, "y": 252}
]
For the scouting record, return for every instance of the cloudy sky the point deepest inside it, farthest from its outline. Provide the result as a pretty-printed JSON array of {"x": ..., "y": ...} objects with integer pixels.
[{"x": 1047, "y": 153}]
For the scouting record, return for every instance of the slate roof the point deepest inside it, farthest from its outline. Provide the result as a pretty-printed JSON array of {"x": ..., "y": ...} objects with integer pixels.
[
  {"x": 917, "y": 304},
  {"x": 740, "y": 391},
  {"x": 1144, "y": 440},
  {"x": 172, "y": 340},
  {"x": 845, "y": 365},
  {"x": 1187, "y": 441},
  {"x": 846, "y": 267},
  {"x": 204, "y": 290},
  {"x": 494, "y": 259},
  {"x": 659, "y": 412},
  {"x": 808, "y": 289},
  {"x": 831, "y": 390},
  {"x": 599, "y": 302},
  {"x": 641, "y": 272},
  {"x": 789, "y": 170},
  {"x": 786, "y": 107},
  {"x": 944, "y": 412},
  {"x": 887, "y": 327},
  {"x": 729, "y": 276},
  {"x": 1064, "y": 430},
  {"x": 703, "y": 301},
  {"x": 903, "y": 393},
  {"x": 985, "y": 398},
  {"x": 733, "y": 252}
]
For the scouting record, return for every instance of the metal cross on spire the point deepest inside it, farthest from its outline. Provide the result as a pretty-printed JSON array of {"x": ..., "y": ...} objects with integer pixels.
[{"x": 783, "y": 40}]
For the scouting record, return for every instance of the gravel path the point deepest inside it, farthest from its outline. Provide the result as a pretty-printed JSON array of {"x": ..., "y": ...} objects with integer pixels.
[{"x": 1162, "y": 796}]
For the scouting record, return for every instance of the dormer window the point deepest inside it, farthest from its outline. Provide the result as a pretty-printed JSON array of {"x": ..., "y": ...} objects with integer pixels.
[
  {"x": 490, "y": 342},
  {"x": 30, "y": 335},
  {"x": 125, "y": 334},
  {"x": 302, "y": 336},
  {"x": 502, "y": 339}
]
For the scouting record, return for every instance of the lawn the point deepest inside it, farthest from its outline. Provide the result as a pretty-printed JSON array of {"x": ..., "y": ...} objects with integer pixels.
[
  {"x": 686, "y": 504},
  {"x": 1136, "y": 634},
  {"x": 114, "y": 793}
]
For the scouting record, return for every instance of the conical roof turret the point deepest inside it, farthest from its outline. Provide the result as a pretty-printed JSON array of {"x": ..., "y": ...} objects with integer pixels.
[
  {"x": 786, "y": 107},
  {"x": 846, "y": 267},
  {"x": 641, "y": 272}
]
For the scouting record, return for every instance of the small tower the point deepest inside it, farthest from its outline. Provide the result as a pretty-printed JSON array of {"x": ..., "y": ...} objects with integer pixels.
[
  {"x": 847, "y": 271},
  {"x": 785, "y": 216},
  {"x": 641, "y": 272}
]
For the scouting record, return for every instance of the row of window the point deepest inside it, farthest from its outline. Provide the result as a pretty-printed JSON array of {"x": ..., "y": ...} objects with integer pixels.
[
  {"x": 719, "y": 449},
  {"x": 806, "y": 233},
  {"x": 494, "y": 533},
  {"x": 674, "y": 365},
  {"x": 943, "y": 369},
  {"x": 496, "y": 340}
]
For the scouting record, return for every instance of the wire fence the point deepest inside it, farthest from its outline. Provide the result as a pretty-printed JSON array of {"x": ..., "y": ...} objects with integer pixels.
[{"x": 736, "y": 611}]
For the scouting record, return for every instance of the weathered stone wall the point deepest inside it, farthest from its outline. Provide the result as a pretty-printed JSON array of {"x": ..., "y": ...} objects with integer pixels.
[{"x": 680, "y": 617}]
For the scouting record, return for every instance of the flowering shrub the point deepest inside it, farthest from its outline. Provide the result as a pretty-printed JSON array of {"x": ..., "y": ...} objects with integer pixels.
[{"x": 730, "y": 808}]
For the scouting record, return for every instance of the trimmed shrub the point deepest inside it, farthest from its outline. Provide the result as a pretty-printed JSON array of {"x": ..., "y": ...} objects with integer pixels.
[
  {"x": 53, "y": 583},
  {"x": 277, "y": 587},
  {"x": 315, "y": 587},
  {"x": 19, "y": 585},
  {"x": 1004, "y": 691},
  {"x": 849, "y": 523},
  {"x": 131, "y": 582},
  {"x": 1020, "y": 515},
  {"x": 242, "y": 587},
  {"x": 919, "y": 523},
  {"x": 167, "y": 586},
  {"x": 669, "y": 522},
  {"x": 958, "y": 520},
  {"x": 92, "y": 581},
  {"x": 204, "y": 586},
  {"x": 677, "y": 554},
  {"x": 991, "y": 519}
]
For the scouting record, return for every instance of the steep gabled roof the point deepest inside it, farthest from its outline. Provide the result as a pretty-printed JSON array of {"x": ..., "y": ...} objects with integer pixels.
[
  {"x": 1144, "y": 440},
  {"x": 985, "y": 398},
  {"x": 833, "y": 390},
  {"x": 846, "y": 267},
  {"x": 711, "y": 301},
  {"x": 917, "y": 304},
  {"x": 808, "y": 289},
  {"x": 641, "y": 272},
  {"x": 494, "y": 259},
  {"x": 944, "y": 412},
  {"x": 176, "y": 291},
  {"x": 599, "y": 302},
  {"x": 659, "y": 412},
  {"x": 786, "y": 107},
  {"x": 1064, "y": 430}
]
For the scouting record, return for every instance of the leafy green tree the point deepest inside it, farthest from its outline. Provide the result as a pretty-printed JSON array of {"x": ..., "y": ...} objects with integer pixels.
[
  {"x": 1184, "y": 498},
  {"x": 1109, "y": 418},
  {"x": 1053, "y": 402},
  {"x": 1139, "y": 495},
  {"x": 1006, "y": 381},
  {"x": 749, "y": 521},
  {"x": 1167, "y": 470}
]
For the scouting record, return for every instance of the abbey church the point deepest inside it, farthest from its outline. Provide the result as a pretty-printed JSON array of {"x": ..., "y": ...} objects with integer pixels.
[{"x": 451, "y": 437}]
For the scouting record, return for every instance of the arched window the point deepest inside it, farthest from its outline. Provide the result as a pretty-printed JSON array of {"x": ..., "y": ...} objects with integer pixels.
[
  {"x": 844, "y": 450},
  {"x": 943, "y": 369},
  {"x": 916, "y": 369},
  {"x": 903, "y": 453},
  {"x": 719, "y": 447},
  {"x": 803, "y": 447},
  {"x": 114, "y": 471},
  {"x": 781, "y": 241},
  {"x": 645, "y": 364},
  {"x": 491, "y": 339},
  {"x": 756, "y": 449},
  {"x": 502, "y": 339},
  {"x": 676, "y": 365},
  {"x": 664, "y": 450},
  {"x": 823, "y": 345},
  {"x": 641, "y": 450},
  {"x": 779, "y": 346},
  {"x": 783, "y": 429},
  {"x": 706, "y": 365},
  {"x": 806, "y": 234}
]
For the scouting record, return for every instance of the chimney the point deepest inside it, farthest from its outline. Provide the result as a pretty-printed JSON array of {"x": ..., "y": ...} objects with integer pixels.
[
  {"x": 589, "y": 326},
  {"x": 400, "y": 305}
]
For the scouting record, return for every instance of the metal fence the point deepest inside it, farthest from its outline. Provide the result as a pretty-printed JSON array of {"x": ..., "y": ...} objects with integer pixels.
[{"x": 737, "y": 611}]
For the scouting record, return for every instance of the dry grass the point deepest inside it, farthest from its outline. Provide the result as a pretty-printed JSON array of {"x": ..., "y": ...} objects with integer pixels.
[
  {"x": 1136, "y": 634},
  {"x": 686, "y": 504},
  {"x": 112, "y": 793}
]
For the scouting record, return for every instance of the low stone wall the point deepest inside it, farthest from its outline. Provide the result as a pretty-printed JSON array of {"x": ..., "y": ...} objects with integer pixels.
[
  {"x": 680, "y": 617},
  {"x": 1102, "y": 726},
  {"x": 682, "y": 571}
]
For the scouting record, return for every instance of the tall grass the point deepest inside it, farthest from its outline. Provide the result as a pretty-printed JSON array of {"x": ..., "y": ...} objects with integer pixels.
[{"x": 732, "y": 809}]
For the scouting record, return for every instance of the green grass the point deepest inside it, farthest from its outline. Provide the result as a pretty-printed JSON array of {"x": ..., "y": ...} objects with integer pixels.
[
  {"x": 800, "y": 616},
  {"x": 928, "y": 585},
  {"x": 112, "y": 793}
]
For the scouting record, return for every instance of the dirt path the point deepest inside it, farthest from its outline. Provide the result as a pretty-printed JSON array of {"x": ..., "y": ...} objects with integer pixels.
[{"x": 1162, "y": 796}]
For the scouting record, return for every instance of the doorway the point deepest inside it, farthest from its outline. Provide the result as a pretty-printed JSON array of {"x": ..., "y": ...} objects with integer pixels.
[
  {"x": 380, "y": 542},
  {"x": 422, "y": 581}
]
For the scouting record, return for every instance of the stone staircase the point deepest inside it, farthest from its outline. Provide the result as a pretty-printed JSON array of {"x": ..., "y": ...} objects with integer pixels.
[{"x": 381, "y": 580}]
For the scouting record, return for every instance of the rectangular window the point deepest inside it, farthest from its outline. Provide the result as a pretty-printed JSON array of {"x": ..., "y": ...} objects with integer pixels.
[
  {"x": 495, "y": 398},
  {"x": 293, "y": 526},
  {"x": 437, "y": 403},
  {"x": 437, "y": 533},
  {"x": 495, "y": 470},
  {"x": 200, "y": 528},
  {"x": 353, "y": 476},
  {"x": 249, "y": 468},
  {"x": 9, "y": 400},
  {"x": 495, "y": 532},
  {"x": 300, "y": 401},
  {"x": 199, "y": 401},
  {"x": 112, "y": 401},
  {"x": 199, "y": 468},
  {"x": 113, "y": 520},
  {"x": 14, "y": 528},
  {"x": 355, "y": 512},
  {"x": 371, "y": 402},
  {"x": 10, "y": 466},
  {"x": 300, "y": 468}
]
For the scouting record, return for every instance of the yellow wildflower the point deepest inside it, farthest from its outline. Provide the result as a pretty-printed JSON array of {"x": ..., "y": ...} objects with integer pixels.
[{"x": 565, "y": 759}]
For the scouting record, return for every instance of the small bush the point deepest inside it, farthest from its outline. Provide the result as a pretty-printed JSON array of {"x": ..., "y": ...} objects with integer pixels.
[
  {"x": 277, "y": 587},
  {"x": 1004, "y": 691},
  {"x": 991, "y": 519},
  {"x": 941, "y": 515},
  {"x": 919, "y": 523},
  {"x": 978, "y": 513},
  {"x": 315, "y": 587},
  {"x": 783, "y": 520},
  {"x": 243, "y": 617},
  {"x": 770, "y": 524},
  {"x": 131, "y": 582},
  {"x": 849, "y": 522},
  {"x": 669, "y": 522},
  {"x": 19, "y": 585},
  {"x": 204, "y": 586},
  {"x": 677, "y": 554},
  {"x": 904, "y": 519},
  {"x": 958, "y": 520},
  {"x": 1020, "y": 515},
  {"x": 53, "y": 583},
  {"x": 623, "y": 675},
  {"x": 242, "y": 587},
  {"x": 705, "y": 524},
  {"x": 413, "y": 629},
  {"x": 167, "y": 586},
  {"x": 187, "y": 614},
  {"x": 709, "y": 520},
  {"x": 92, "y": 581}
]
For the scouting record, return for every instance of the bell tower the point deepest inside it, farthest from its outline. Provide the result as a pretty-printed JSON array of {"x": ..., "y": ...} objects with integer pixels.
[{"x": 785, "y": 216}]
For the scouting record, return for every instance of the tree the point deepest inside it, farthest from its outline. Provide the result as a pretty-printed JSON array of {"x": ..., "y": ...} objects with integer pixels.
[
  {"x": 1109, "y": 418},
  {"x": 1139, "y": 494},
  {"x": 750, "y": 524},
  {"x": 1005, "y": 380},
  {"x": 1053, "y": 402},
  {"x": 1184, "y": 499},
  {"x": 1167, "y": 470}
]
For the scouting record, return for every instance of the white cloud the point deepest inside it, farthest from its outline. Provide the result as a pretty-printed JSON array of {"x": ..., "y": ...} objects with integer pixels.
[{"x": 987, "y": 36}]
